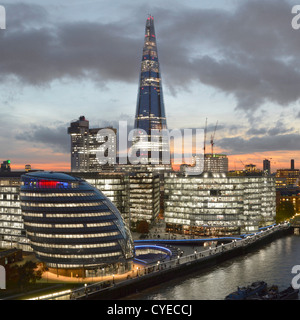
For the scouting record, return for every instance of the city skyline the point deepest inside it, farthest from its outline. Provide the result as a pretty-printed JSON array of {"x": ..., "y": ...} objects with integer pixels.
[{"x": 235, "y": 65}]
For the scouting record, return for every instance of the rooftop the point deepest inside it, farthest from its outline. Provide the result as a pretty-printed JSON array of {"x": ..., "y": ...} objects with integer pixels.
[{"x": 50, "y": 175}]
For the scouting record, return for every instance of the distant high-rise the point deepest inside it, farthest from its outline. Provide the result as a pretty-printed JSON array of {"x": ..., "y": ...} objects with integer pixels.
[
  {"x": 79, "y": 131},
  {"x": 267, "y": 166},
  {"x": 5, "y": 166},
  {"x": 288, "y": 177},
  {"x": 87, "y": 144},
  {"x": 150, "y": 110}
]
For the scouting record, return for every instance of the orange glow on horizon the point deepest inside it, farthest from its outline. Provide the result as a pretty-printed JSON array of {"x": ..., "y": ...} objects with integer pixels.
[
  {"x": 279, "y": 160},
  {"x": 60, "y": 166}
]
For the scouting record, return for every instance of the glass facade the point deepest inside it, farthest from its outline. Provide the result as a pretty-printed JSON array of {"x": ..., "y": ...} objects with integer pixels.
[
  {"x": 217, "y": 163},
  {"x": 144, "y": 200},
  {"x": 135, "y": 195},
  {"x": 12, "y": 233},
  {"x": 79, "y": 131},
  {"x": 150, "y": 110},
  {"x": 88, "y": 150},
  {"x": 71, "y": 224},
  {"x": 214, "y": 204},
  {"x": 114, "y": 185}
]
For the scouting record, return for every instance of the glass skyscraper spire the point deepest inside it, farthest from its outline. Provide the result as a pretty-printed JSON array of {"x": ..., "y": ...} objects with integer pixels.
[{"x": 150, "y": 110}]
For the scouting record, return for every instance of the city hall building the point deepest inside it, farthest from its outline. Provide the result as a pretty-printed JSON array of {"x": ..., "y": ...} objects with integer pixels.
[
  {"x": 136, "y": 195},
  {"x": 216, "y": 204},
  {"x": 72, "y": 225}
]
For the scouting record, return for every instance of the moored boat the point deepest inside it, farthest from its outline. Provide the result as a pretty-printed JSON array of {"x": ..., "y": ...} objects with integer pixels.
[
  {"x": 288, "y": 294},
  {"x": 243, "y": 293}
]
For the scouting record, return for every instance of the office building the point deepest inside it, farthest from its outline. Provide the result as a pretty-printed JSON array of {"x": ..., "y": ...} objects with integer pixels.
[
  {"x": 114, "y": 185},
  {"x": 136, "y": 195},
  {"x": 5, "y": 166},
  {"x": 79, "y": 132},
  {"x": 88, "y": 149},
  {"x": 267, "y": 166},
  {"x": 12, "y": 232},
  {"x": 289, "y": 194},
  {"x": 216, "y": 163},
  {"x": 216, "y": 204},
  {"x": 288, "y": 177},
  {"x": 251, "y": 168},
  {"x": 292, "y": 164},
  {"x": 144, "y": 196}
]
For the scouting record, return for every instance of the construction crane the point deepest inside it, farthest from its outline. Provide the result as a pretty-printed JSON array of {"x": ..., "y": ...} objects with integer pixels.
[
  {"x": 205, "y": 130},
  {"x": 212, "y": 139},
  {"x": 242, "y": 163}
]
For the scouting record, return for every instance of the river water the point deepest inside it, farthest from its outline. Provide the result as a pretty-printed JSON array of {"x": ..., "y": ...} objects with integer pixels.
[{"x": 271, "y": 263}]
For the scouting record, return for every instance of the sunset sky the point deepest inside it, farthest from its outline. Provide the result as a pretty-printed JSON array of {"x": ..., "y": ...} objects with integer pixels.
[{"x": 235, "y": 62}]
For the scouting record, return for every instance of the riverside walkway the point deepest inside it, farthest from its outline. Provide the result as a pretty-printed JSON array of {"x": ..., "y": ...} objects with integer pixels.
[{"x": 145, "y": 275}]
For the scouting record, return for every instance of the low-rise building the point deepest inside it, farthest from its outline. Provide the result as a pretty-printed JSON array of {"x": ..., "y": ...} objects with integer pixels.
[{"x": 216, "y": 204}]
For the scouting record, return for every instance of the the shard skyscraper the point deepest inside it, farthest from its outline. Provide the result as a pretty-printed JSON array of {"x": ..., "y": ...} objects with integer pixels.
[{"x": 150, "y": 111}]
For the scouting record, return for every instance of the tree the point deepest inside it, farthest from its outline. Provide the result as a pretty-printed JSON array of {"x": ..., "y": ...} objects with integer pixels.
[
  {"x": 23, "y": 275},
  {"x": 284, "y": 211}
]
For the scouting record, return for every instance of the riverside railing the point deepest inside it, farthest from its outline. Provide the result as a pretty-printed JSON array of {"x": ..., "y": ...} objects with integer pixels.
[{"x": 168, "y": 264}]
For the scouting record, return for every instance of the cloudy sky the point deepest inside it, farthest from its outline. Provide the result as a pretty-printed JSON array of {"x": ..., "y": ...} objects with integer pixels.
[{"x": 231, "y": 61}]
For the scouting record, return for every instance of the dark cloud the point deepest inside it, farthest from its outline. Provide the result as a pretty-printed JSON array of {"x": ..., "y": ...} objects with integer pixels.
[
  {"x": 40, "y": 53},
  {"x": 54, "y": 137},
  {"x": 278, "y": 128},
  {"x": 239, "y": 145},
  {"x": 256, "y": 131},
  {"x": 250, "y": 53}
]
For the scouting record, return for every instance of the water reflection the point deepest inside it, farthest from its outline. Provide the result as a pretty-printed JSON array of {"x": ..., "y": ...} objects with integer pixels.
[{"x": 272, "y": 263}]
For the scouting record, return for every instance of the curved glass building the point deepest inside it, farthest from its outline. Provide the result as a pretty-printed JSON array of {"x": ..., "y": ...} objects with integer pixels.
[{"x": 71, "y": 224}]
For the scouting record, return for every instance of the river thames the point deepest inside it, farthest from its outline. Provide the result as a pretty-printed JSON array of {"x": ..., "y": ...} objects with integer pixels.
[{"x": 271, "y": 263}]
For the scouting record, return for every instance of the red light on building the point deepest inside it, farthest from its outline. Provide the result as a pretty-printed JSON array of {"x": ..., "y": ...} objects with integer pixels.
[{"x": 47, "y": 184}]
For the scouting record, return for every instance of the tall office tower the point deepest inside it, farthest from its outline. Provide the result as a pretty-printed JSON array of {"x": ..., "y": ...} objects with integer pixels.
[
  {"x": 91, "y": 149},
  {"x": 150, "y": 110},
  {"x": 292, "y": 164},
  {"x": 79, "y": 131},
  {"x": 102, "y": 149},
  {"x": 267, "y": 166}
]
